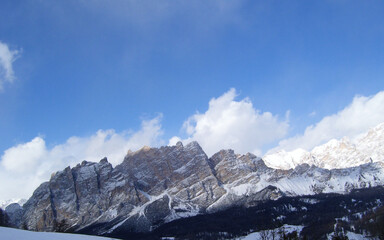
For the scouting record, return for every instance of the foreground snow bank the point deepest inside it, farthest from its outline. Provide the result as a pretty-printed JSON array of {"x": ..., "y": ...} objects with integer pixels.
[
  {"x": 17, "y": 234},
  {"x": 352, "y": 236}
]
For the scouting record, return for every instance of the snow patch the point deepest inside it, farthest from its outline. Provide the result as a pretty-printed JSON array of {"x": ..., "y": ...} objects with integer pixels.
[{"x": 287, "y": 228}]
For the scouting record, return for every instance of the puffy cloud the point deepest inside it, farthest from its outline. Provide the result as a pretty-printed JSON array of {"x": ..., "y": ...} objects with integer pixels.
[
  {"x": 233, "y": 124},
  {"x": 355, "y": 119},
  {"x": 7, "y": 57},
  {"x": 23, "y": 157},
  {"x": 25, "y": 166},
  {"x": 174, "y": 140}
]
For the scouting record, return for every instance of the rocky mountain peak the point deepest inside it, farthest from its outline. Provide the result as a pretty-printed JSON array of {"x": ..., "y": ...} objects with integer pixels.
[
  {"x": 104, "y": 160},
  {"x": 179, "y": 144},
  {"x": 222, "y": 155},
  {"x": 157, "y": 169},
  {"x": 194, "y": 148},
  {"x": 145, "y": 148}
]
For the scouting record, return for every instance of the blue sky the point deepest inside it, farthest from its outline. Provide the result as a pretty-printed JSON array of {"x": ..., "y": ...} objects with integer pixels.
[{"x": 121, "y": 67}]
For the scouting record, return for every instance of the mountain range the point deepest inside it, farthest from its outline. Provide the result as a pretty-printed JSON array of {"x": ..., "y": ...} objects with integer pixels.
[
  {"x": 154, "y": 187},
  {"x": 342, "y": 153}
]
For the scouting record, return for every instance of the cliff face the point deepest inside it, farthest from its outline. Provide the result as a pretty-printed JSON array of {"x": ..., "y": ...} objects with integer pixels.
[
  {"x": 156, "y": 185},
  {"x": 152, "y": 185}
]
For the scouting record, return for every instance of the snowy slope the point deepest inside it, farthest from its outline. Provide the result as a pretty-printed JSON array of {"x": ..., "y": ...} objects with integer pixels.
[
  {"x": 352, "y": 236},
  {"x": 288, "y": 160},
  {"x": 287, "y": 229},
  {"x": 17, "y": 234},
  {"x": 298, "y": 229},
  {"x": 342, "y": 153}
]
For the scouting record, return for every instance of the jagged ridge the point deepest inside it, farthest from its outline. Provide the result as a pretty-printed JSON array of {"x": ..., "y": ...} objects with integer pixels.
[{"x": 153, "y": 186}]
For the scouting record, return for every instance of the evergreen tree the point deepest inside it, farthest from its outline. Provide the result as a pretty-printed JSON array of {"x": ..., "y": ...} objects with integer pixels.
[{"x": 3, "y": 218}]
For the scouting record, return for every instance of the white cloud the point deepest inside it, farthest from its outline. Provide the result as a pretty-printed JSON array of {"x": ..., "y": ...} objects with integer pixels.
[
  {"x": 7, "y": 57},
  {"x": 355, "y": 119},
  {"x": 25, "y": 166},
  {"x": 25, "y": 156},
  {"x": 233, "y": 124},
  {"x": 174, "y": 140}
]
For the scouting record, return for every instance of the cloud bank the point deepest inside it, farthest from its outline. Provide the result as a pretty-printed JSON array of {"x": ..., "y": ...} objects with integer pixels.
[
  {"x": 7, "y": 57},
  {"x": 233, "y": 124},
  {"x": 363, "y": 113},
  {"x": 25, "y": 166}
]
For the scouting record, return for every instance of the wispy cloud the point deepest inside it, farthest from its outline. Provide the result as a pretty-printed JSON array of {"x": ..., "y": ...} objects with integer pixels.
[
  {"x": 25, "y": 166},
  {"x": 355, "y": 119},
  {"x": 7, "y": 57},
  {"x": 150, "y": 16},
  {"x": 233, "y": 124}
]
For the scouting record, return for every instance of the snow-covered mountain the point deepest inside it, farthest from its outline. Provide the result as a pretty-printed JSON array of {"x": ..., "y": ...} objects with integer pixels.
[
  {"x": 154, "y": 186},
  {"x": 341, "y": 153}
]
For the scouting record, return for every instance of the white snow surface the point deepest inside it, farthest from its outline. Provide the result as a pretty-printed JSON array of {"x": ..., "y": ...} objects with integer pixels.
[
  {"x": 291, "y": 228},
  {"x": 355, "y": 236},
  {"x": 351, "y": 236},
  {"x": 287, "y": 228},
  {"x": 287, "y": 160},
  {"x": 342, "y": 153},
  {"x": 17, "y": 234}
]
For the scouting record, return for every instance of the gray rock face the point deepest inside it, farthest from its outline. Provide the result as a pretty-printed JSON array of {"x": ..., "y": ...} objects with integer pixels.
[
  {"x": 153, "y": 186},
  {"x": 229, "y": 166},
  {"x": 183, "y": 172}
]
